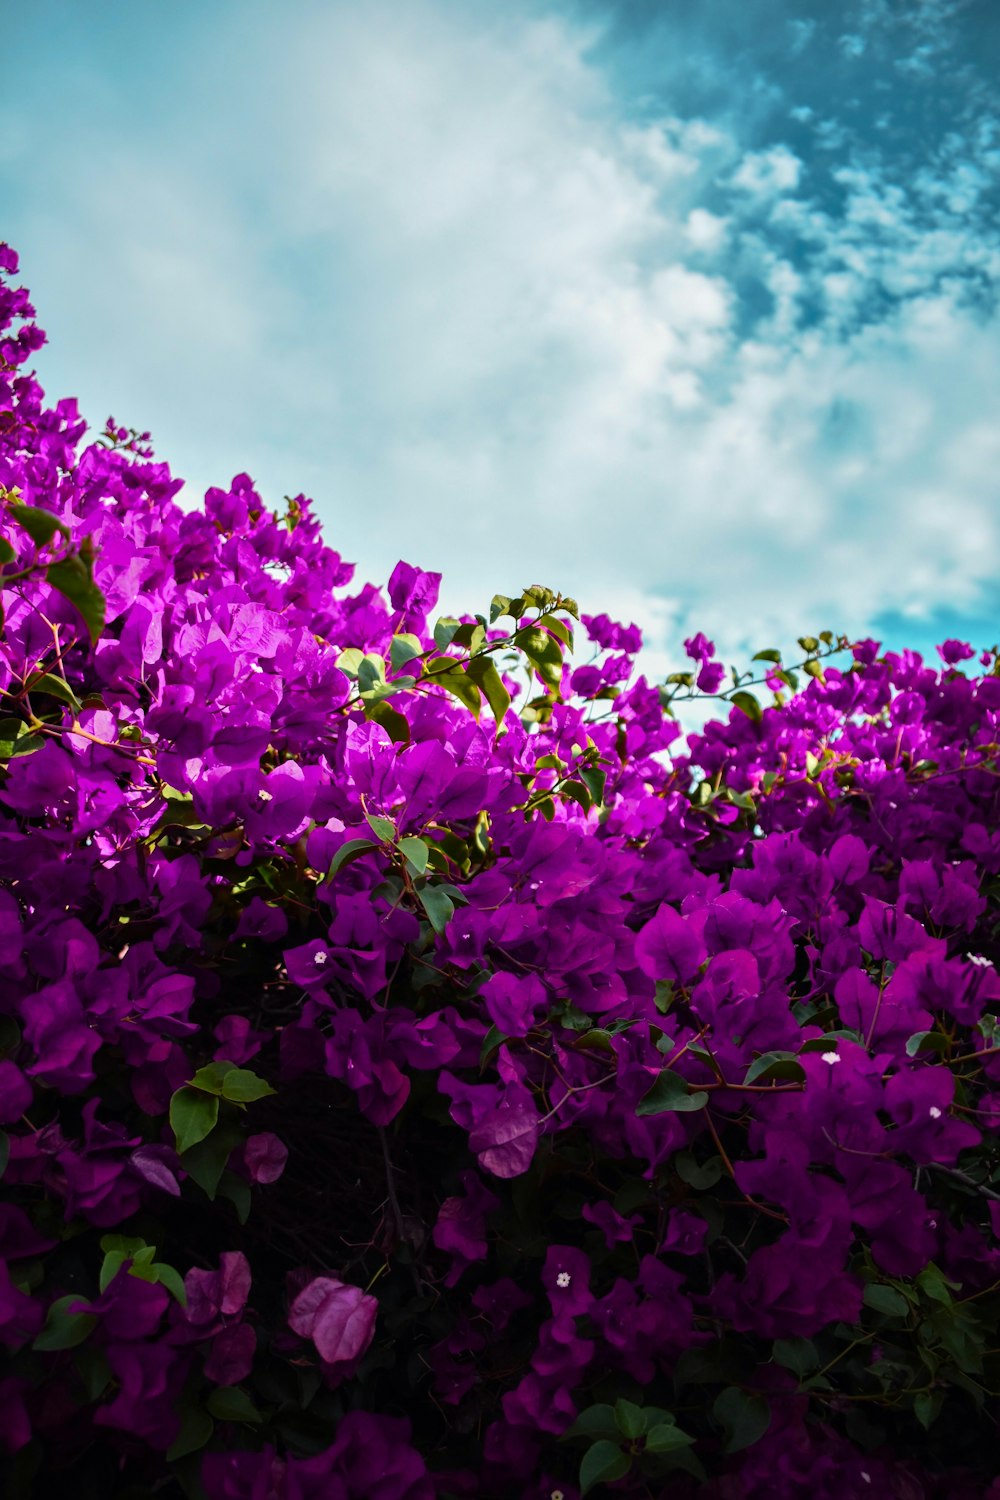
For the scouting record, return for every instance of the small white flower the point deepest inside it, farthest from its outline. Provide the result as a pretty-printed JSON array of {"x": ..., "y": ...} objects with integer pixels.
[
  {"x": 934, "y": 1112},
  {"x": 320, "y": 959},
  {"x": 563, "y": 1279},
  {"x": 263, "y": 796},
  {"x": 557, "y": 1495},
  {"x": 977, "y": 958},
  {"x": 831, "y": 1057}
]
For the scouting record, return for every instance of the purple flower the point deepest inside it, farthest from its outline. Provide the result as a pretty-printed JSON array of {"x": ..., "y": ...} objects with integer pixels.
[
  {"x": 669, "y": 947},
  {"x": 505, "y": 1140},
  {"x": 460, "y": 1228},
  {"x": 339, "y": 1318},
  {"x": 264, "y": 1157}
]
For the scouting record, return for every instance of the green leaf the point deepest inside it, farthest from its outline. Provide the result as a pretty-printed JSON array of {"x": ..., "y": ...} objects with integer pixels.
[
  {"x": 196, "y": 1430},
  {"x": 603, "y": 1462},
  {"x": 7, "y": 553},
  {"x": 749, "y": 705},
  {"x": 824, "y": 1042},
  {"x": 416, "y": 852},
  {"x": 11, "y": 730},
  {"x": 127, "y": 1244},
  {"x": 349, "y": 661},
  {"x": 395, "y": 724},
  {"x": 192, "y": 1115},
  {"x": 745, "y": 1417},
  {"x": 444, "y": 631},
  {"x": 241, "y": 1086},
  {"x": 110, "y": 1266},
  {"x": 630, "y": 1419},
  {"x": 462, "y": 687},
  {"x": 808, "y": 642},
  {"x": 560, "y": 630},
  {"x": 41, "y": 525},
  {"x": 699, "y": 1175},
  {"x": 172, "y": 1279},
  {"x": 491, "y": 1041},
  {"x": 796, "y": 1354},
  {"x": 472, "y": 636},
  {"x": 402, "y": 649},
  {"x": 769, "y": 655},
  {"x": 238, "y": 1192},
  {"x": 927, "y": 1041},
  {"x": 348, "y": 853},
  {"x": 4, "y": 1151},
  {"x": 483, "y": 672},
  {"x": 383, "y": 828},
  {"x": 594, "y": 779},
  {"x": 209, "y": 1079},
  {"x": 813, "y": 668},
  {"x": 670, "y": 1092},
  {"x": 438, "y": 905},
  {"x": 64, "y": 1329},
  {"x": 205, "y": 1162},
  {"x": 775, "y": 1065},
  {"x": 666, "y": 1438},
  {"x": 885, "y": 1299},
  {"x": 934, "y": 1284},
  {"x": 499, "y": 607},
  {"x": 56, "y": 688},
  {"x": 371, "y": 672},
  {"x": 229, "y": 1404},
  {"x": 72, "y": 578},
  {"x": 94, "y": 1372},
  {"x": 577, "y": 792},
  {"x": 544, "y": 654},
  {"x": 926, "y": 1407},
  {"x": 594, "y": 1422}
]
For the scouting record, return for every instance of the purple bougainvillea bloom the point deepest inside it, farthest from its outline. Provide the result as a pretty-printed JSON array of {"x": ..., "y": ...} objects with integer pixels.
[
  {"x": 221, "y": 1293},
  {"x": 337, "y": 1317},
  {"x": 513, "y": 1003},
  {"x": 555, "y": 921},
  {"x": 16, "y": 1092},
  {"x": 264, "y": 1157},
  {"x": 952, "y": 652},
  {"x": 149, "y": 1379},
  {"x": 668, "y": 947},
  {"x": 460, "y": 1227},
  {"x": 615, "y": 1228},
  {"x": 230, "y": 1357},
  {"x": 505, "y": 1140}
]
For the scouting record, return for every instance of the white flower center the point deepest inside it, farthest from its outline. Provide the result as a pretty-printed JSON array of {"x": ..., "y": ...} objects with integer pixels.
[
  {"x": 264, "y": 796},
  {"x": 831, "y": 1057},
  {"x": 934, "y": 1112},
  {"x": 320, "y": 959},
  {"x": 977, "y": 958},
  {"x": 557, "y": 1495},
  {"x": 563, "y": 1279}
]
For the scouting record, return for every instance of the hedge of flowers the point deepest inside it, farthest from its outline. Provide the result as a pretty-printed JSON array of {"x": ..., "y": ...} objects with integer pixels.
[{"x": 427, "y": 1074}]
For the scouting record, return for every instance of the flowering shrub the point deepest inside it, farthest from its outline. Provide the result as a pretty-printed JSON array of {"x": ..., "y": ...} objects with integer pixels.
[{"x": 407, "y": 1094}]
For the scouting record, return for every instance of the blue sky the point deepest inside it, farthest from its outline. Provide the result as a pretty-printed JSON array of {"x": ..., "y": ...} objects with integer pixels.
[{"x": 687, "y": 307}]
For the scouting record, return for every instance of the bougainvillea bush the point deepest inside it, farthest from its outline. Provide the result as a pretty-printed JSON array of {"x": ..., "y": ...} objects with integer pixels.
[{"x": 425, "y": 1073}]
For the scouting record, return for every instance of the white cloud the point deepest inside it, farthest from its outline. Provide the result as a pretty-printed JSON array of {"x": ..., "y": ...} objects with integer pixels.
[
  {"x": 432, "y": 276},
  {"x": 704, "y": 230},
  {"x": 768, "y": 174}
]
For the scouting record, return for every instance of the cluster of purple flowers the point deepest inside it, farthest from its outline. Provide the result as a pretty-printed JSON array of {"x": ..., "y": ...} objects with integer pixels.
[{"x": 423, "y": 1073}]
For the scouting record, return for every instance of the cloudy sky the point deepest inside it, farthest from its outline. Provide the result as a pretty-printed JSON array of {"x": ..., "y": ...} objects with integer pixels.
[{"x": 687, "y": 307}]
